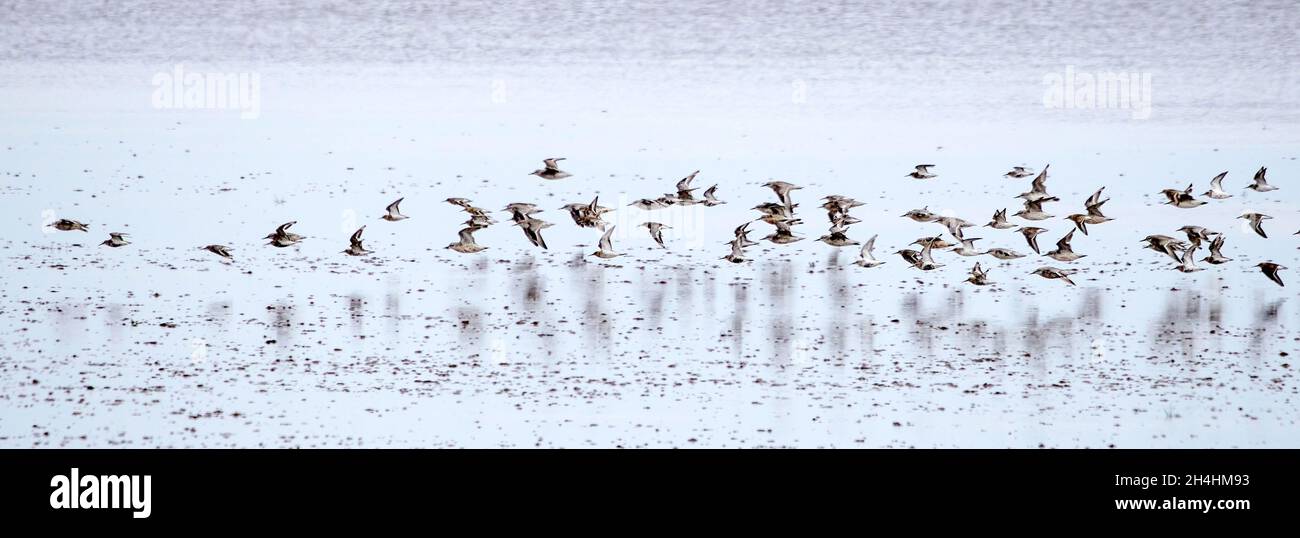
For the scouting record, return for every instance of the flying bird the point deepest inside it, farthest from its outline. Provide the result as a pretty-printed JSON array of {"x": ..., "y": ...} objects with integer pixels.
[
  {"x": 1256, "y": 222},
  {"x": 1093, "y": 216},
  {"x": 922, "y": 172},
  {"x": 1197, "y": 233},
  {"x": 1033, "y": 210},
  {"x": 967, "y": 247},
  {"x": 783, "y": 234},
  {"x": 954, "y": 225},
  {"x": 742, "y": 236},
  {"x": 999, "y": 221},
  {"x": 782, "y": 190},
  {"x": 1261, "y": 184},
  {"x": 551, "y": 170},
  {"x": 1037, "y": 189},
  {"x": 865, "y": 259},
  {"x": 921, "y": 215},
  {"x": 1055, "y": 274},
  {"x": 978, "y": 277},
  {"x": 1063, "y": 252},
  {"x": 1216, "y": 188},
  {"x": 684, "y": 189},
  {"x": 926, "y": 262},
  {"x": 837, "y": 239},
  {"x": 466, "y": 245},
  {"x": 521, "y": 211},
  {"x": 656, "y": 232},
  {"x": 356, "y": 248},
  {"x": 912, "y": 257},
  {"x": 116, "y": 239},
  {"x": 220, "y": 250},
  {"x": 1270, "y": 270},
  {"x": 648, "y": 204},
  {"x": 737, "y": 253},
  {"x": 533, "y": 230},
  {"x": 1031, "y": 236},
  {"x": 282, "y": 237},
  {"x": 68, "y": 225},
  {"x": 1165, "y": 244},
  {"x": 605, "y": 248},
  {"x": 936, "y": 241},
  {"x": 1017, "y": 172},
  {"x": 393, "y": 213},
  {"x": 1182, "y": 199},
  {"x": 1005, "y": 254},
  {"x": 1188, "y": 263},
  {"x": 1216, "y": 257}
]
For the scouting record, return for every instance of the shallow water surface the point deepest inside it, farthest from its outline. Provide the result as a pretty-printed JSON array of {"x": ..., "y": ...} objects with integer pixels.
[{"x": 160, "y": 343}]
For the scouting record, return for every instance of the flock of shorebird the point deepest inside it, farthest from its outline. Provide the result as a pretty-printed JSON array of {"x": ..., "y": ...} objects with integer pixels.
[{"x": 781, "y": 215}]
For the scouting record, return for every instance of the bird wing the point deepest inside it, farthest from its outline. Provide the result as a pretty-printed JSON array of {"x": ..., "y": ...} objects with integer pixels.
[
  {"x": 1217, "y": 183},
  {"x": 1094, "y": 209},
  {"x": 1064, "y": 243},
  {"x": 1272, "y": 275},
  {"x": 954, "y": 226},
  {"x": 783, "y": 226},
  {"x": 1257, "y": 222},
  {"x": 925, "y": 253},
  {"x": 1216, "y": 244},
  {"x": 605, "y": 243},
  {"x": 685, "y": 183},
  {"x": 736, "y": 251},
  {"x": 1040, "y": 183},
  {"x": 1188, "y": 260},
  {"x": 356, "y": 236},
  {"x": 466, "y": 234},
  {"x": 1095, "y": 198},
  {"x": 392, "y": 208},
  {"x": 1033, "y": 241}
]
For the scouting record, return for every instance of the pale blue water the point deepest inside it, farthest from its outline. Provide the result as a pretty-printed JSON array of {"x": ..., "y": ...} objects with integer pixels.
[{"x": 420, "y": 346}]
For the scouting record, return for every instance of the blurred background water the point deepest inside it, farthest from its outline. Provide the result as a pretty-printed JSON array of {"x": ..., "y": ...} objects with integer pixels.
[{"x": 161, "y": 344}]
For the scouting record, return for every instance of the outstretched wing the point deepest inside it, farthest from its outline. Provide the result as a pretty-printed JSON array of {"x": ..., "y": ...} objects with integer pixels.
[
  {"x": 868, "y": 247},
  {"x": 1064, "y": 243},
  {"x": 685, "y": 183},
  {"x": 467, "y": 234},
  {"x": 1217, "y": 182},
  {"x": 1040, "y": 183},
  {"x": 605, "y": 243}
]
